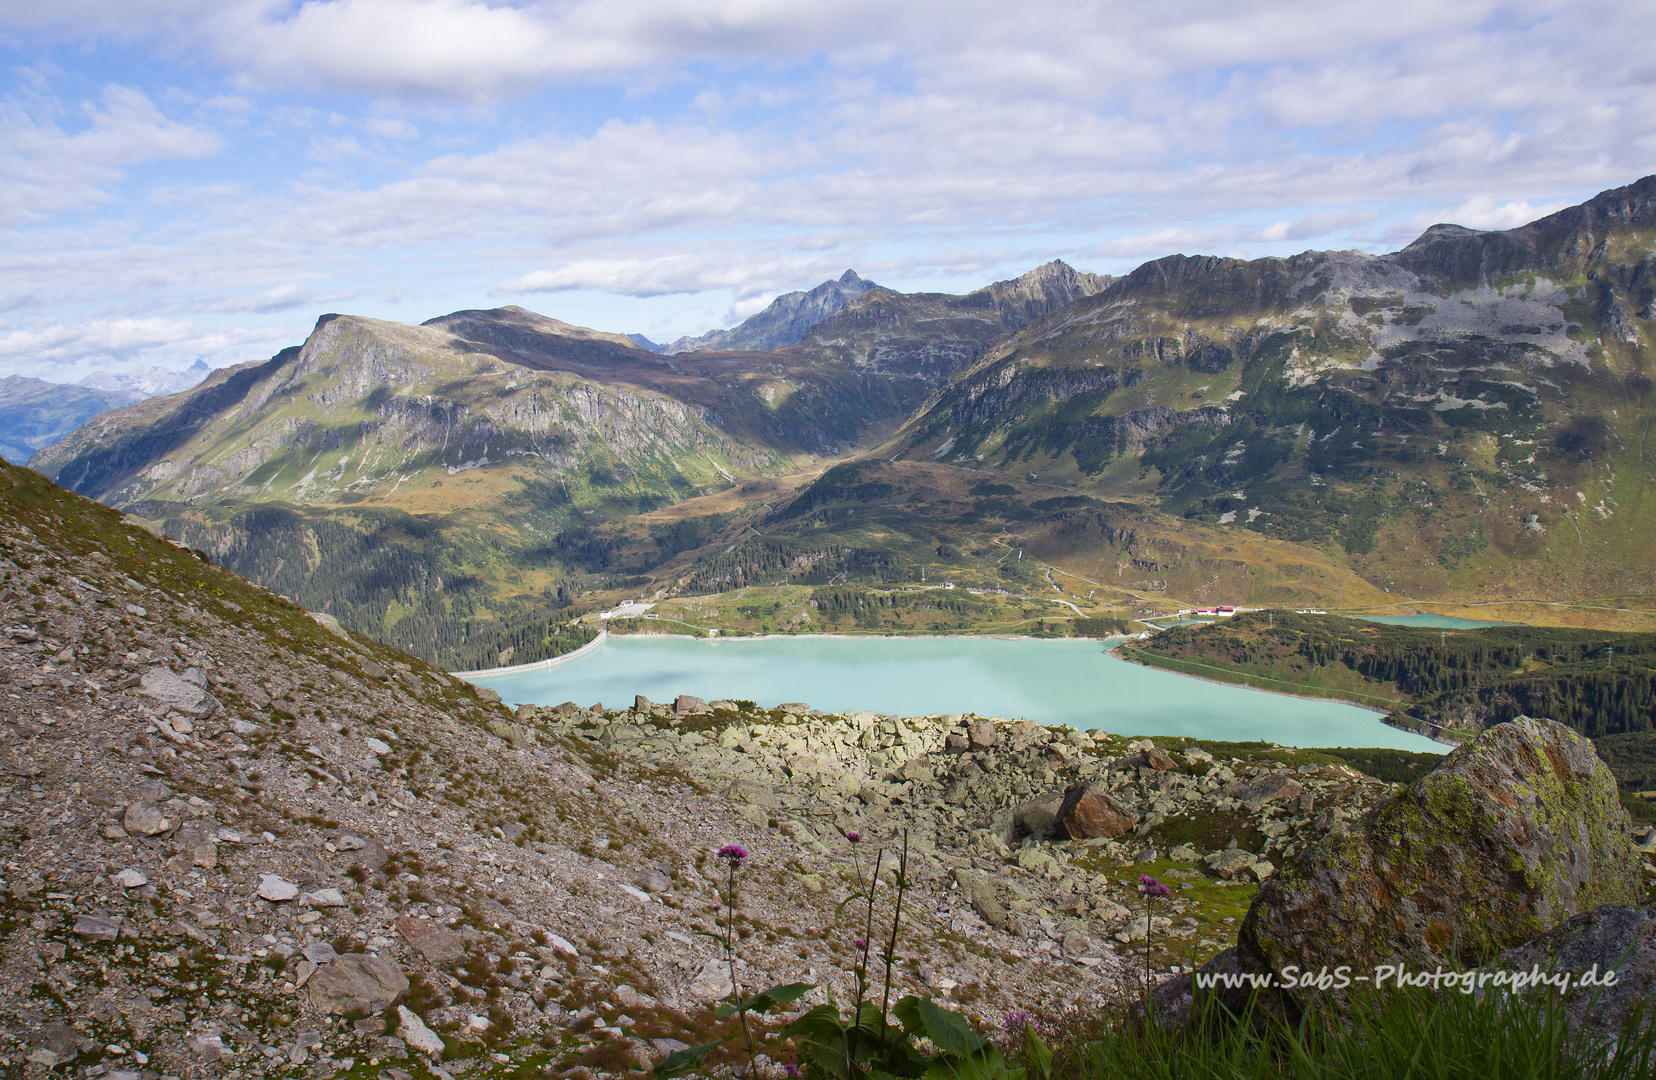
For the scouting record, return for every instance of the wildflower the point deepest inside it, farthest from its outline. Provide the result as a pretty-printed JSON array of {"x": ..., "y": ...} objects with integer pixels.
[
  {"x": 860, "y": 943},
  {"x": 1016, "y": 1020},
  {"x": 734, "y": 852},
  {"x": 1149, "y": 886},
  {"x": 790, "y": 1068},
  {"x": 854, "y": 837}
]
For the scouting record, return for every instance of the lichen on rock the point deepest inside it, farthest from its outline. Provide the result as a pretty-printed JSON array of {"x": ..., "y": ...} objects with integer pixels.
[{"x": 1515, "y": 832}]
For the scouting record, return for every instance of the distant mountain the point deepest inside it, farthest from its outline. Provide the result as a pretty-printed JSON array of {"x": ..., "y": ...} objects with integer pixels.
[
  {"x": 645, "y": 343},
  {"x": 148, "y": 381},
  {"x": 786, "y": 320},
  {"x": 35, "y": 413}
]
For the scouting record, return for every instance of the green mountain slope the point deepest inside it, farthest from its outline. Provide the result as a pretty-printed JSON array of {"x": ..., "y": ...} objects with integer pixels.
[
  {"x": 431, "y": 484},
  {"x": 1466, "y": 418}
]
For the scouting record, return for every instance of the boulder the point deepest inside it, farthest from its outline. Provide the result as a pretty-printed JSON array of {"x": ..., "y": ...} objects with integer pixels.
[
  {"x": 1034, "y": 817},
  {"x": 685, "y": 705},
  {"x": 275, "y": 888},
  {"x": 1513, "y": 833},
  {"x": 982, "y": 735},
  {"x": 981, "y": 893},
  {"x": 1271, "y": 788},
  {"x": 177, "y": 694},
  {"x": 1151, "y": 757},
  {"x": 144, "y": 818},
  {"x": 97, "y": 927},
  {"x": 412, "y": 1030},
  {"x": 1087, "y": 812},
  {"x": 357, "y": 982},
  {"x": 1231, "y": 862},
  {"x": 752, "y": 791},
  {"x": 1614, "y": 937}
]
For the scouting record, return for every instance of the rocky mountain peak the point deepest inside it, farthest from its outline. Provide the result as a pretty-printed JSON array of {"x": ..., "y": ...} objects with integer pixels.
[{"x": 785, "y": 321}]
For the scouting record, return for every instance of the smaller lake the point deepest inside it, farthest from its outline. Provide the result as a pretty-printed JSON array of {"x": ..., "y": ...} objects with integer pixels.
[
  {"x": 1076, "y": 683},
  {"x": 1435, "y": 622}
]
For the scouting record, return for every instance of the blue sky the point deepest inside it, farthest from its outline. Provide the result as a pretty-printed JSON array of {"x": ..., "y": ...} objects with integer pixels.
[{"x": 184, "y": 179}]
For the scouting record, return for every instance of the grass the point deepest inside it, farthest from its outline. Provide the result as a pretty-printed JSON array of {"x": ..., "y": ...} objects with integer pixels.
[{"x": 1412, "y": 1035}]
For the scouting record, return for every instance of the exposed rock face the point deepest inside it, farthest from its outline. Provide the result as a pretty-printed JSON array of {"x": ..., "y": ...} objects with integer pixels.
[
  {"x": 1088, "y": 812},
  {"x": 787, "y": 319},
  {"x": 1515, "y": 832},
  {"x": 357, "y": 982},
  {"x": 432, "y": 940},
  {"x": 1614, "y": 937},
  {"x": 181, "y": 695}
]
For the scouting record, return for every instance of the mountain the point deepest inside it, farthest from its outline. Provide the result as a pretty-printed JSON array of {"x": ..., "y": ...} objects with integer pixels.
[
  {"x": 446, "y": 481},
  {"x": 1465, "y": 418},
  {"x": 148, "y": 381},
  {"x": 784, "y": 321},
  {"x": 35, "y": 413}
]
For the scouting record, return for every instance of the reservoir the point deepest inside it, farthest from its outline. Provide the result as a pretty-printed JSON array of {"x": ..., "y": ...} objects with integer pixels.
[{"x": 1070, "y": 682}]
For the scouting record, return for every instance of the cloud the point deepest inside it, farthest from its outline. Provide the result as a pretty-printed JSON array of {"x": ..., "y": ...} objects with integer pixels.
[
  {"x": 1478, "y": 212},
  {"x": 122, "y": 341},
  {"x": 748, "y": 278},
  {"x": 44, "y": 169}
]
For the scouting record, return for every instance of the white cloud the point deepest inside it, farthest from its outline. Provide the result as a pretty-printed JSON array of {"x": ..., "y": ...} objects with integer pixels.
[
  {"x": 44, "y": 169},
  {"x": 749, "y": 279},
  {"x": 122, "y": 341}
]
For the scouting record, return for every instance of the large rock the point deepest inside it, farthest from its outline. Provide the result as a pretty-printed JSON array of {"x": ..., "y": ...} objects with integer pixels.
[
  {"x": 981, "y": 892},
  {"x": 357, "y": 982},
  {"x": 432, "y": 940},
  {"x": 752, "y": 791},
  {"x": 144, "y": 818},
  {"x": 1271, "y": 788},
  {"x": 1515, "y": 832},
  {"x": 981, "y": 735},
  {"x": 1088, "y": 812},
  {"x": 1616, "y": 937},
  {"x": 1034, "y": 817},
  {"x": 1151, "y": 757},
  {"x": 178, "y": 694}
]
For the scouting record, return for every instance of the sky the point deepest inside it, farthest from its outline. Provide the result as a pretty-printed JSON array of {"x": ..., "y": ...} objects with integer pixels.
[{"x": 200, "y": 179}]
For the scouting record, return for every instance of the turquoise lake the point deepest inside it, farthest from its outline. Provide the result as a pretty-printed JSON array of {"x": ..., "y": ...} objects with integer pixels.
[
  {"x": 1435, "y": 622},
  {"x": 1077, "y": 683}
]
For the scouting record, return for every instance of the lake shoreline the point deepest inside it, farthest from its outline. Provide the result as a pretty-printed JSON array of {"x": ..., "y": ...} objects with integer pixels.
[{"x": 1084, "y": 684}]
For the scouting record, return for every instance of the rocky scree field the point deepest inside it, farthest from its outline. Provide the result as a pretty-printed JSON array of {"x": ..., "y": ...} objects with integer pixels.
[{"x": 243, "y": 841}]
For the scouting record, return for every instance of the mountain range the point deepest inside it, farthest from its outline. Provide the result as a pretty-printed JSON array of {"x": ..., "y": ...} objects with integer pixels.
[
  {"x": 1464, "y": 421},
  {"x": 35, "y": 413}
]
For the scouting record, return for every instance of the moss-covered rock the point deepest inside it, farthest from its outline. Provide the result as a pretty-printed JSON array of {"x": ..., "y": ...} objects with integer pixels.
[{"x": 1514, "y": 833}]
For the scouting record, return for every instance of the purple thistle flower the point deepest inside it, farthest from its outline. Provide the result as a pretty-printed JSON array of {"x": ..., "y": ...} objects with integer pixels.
[
  {"x": 860, "y": 943},
  {"x": 1149, "y": 886},
  {"x": 734, "y": 852},
  {"x": 854, "y": 837},
  {"x": 790, "y": 1068},
  {"x": 1016, "y": 1020}
]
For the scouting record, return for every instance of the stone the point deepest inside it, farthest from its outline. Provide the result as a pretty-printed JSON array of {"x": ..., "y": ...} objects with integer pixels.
[
  {"x": 97, "y": 927},
  {"x": 320, "y": 952},
  {"x": 1185, "y": 853},
  {"x": 324, "y": 898},
  {"x": 177, "y": 694},
  {"x": 144, "y": 818},
  {"x": 752, "y": 791},
  {"x": 685, "y": 705},
  {"x": 357, "y": 982},
  {"x": 413, "y": 1031},
  {"x": 1039, "y": 862},
  {"x": 1272, "y": 788},
  {"x": 198, "y": 849},
  {"x": 432, "y": 940},
  {"x": 1150, "y": 757},
  {"x": 642, "y": 704},
  {"x": 1032, "y": 817},
  {"x": 378, "y": 746},
  {"x": 562, "y": 946},
  {"x": 982, "y": 735},
  {"x": 1612, "y": 937},
  {"x": 652, "y": 880},
  {"x": 207, "y": 1048},
  {"x": 1087, "y": 812},
  {"x": 712, "y": 982},
  {"x": 1231, "y": 862},
  {"x": 981, "y": 893},
  {"x": 275, "y": 888},
  {"x": 1515, "y": 832},
  {"x": 130, "y": 878}
]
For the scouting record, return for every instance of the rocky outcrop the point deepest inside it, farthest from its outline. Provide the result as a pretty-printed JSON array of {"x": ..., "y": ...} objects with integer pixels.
[
  {"x": 1619, "y": 938},
  {"x": 784, "y": 321},
  {"x": 1515, "y": 832}
]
